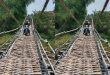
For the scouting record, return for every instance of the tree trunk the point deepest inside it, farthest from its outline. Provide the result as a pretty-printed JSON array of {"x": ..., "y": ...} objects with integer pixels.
[
  {"x": 105, "y": 5},
  {"x": 8, "y": 10},
  {"x": 45, "y": 5},
  {"x": 71, "y": 14}
]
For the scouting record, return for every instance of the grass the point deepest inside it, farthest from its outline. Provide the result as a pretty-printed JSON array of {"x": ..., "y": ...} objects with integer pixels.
[
  {"x": 106, "y": 47},
  {"x": 60, "y": 40},
  {"x": 4, "y": 38},
  {"x": 46, "y": 47}
]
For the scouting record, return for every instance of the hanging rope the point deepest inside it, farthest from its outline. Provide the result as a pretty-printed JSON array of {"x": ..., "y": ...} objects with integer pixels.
[
  {"x": 46, "y": 41},
  {"x": 5, "y": 32},
  {"x": 65, "y": 32},
  {"x": 99, "y": 36}
]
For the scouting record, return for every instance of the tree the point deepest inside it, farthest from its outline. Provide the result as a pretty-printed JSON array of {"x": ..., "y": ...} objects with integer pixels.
[
  {"x": 102, "y": 23},
  {"x": 12, "y": 12},
  {"x": 8, "y": 10},
  {"x": 105, "y": 5},
  {"x": 70, "y": 13},
  {"x": 45, "y": 5},
  {"x": 45, "y": 24},
  {"x": 67, "y": 9}
]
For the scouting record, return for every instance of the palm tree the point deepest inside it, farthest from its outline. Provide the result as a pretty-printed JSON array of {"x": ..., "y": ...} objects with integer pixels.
[
  {"x": 2, "y": 3},
  {"x": 7, "y": 6},
  {"x": 67, "y": 9},
  {"x": 45, "y": 5},
  {"x": 105, "y": 5}
]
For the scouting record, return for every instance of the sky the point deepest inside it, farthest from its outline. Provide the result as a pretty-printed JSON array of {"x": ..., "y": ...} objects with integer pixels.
[
  {"x": 38, "y": 5},
  {"x": 96, "y": 6}
]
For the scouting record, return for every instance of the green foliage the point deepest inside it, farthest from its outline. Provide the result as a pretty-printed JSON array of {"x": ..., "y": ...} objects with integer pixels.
[
  {"x": 106, "y": 47},
  {"x": 64, "y": 20},
  {"x": 4, "y": 38},
  {"x": 45, "y": 24},
  {"x": 60, "y": 40},
  {"x": 102, "y": 24},
  {"x": 11, "y": 10}
]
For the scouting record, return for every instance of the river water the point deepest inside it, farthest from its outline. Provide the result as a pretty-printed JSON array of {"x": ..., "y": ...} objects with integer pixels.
[
  {"x": 37, "y": 5},
  {"x": 97, "y": 6}
]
